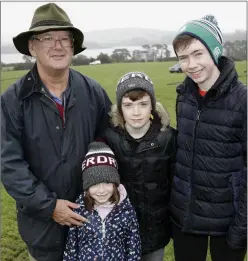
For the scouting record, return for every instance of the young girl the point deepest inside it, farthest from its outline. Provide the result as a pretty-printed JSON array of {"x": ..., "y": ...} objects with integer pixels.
[
  {"x": 144, "y": 145},
  {"x": 111, "y": 232}
]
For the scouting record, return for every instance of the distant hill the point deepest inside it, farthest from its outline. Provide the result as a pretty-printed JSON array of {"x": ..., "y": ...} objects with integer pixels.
[{"x": 129, "y": 37}]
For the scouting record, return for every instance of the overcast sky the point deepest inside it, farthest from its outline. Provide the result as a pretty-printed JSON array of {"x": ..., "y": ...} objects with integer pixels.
[{"x": 88, "y": 16}]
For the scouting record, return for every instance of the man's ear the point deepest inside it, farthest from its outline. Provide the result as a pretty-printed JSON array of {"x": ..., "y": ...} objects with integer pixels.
[{"x": 31, "y": 48}]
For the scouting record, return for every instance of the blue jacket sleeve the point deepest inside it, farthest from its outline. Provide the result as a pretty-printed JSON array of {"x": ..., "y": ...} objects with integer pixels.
[
  {"x": 30, "y": 194},
  {"x": 103, "y": 113},
  {"x": 133, "y": 242}
]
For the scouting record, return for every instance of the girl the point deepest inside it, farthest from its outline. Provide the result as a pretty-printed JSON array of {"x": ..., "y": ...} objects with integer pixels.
[
  {"x": 111, "y": 232},
  {"x": 144, "y": 146}
]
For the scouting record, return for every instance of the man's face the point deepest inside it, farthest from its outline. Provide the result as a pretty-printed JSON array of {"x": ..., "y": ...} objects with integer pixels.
[
  {"x": 50, "y": 54},
  {"x": 136, "y": 113},
  {"x": 196, "y": 62}
]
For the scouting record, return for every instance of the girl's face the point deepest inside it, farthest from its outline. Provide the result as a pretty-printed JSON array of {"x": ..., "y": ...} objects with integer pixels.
[{"x": 101, "y": 192}]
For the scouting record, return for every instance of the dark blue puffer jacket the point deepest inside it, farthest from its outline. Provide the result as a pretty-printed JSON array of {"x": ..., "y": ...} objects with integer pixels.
[{"x": 208, "y": 189}]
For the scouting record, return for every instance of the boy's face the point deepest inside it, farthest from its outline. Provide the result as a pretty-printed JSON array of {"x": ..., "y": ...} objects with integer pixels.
[
  {"x": 196, "y": 62},
  {"x": 101, "y": 192},
  {"x": 136, "y": 113}
]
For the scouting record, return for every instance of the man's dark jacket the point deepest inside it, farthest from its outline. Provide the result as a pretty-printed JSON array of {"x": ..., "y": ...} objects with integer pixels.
[
  {"x": 209, "y": 187},
  {"x": 41, "y": 157}
]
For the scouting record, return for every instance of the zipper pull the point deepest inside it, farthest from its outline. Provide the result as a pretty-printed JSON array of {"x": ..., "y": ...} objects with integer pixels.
[{"x": 198, "y": 115}]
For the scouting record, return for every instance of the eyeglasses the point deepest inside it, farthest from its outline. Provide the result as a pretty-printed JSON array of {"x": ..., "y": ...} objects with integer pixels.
[{"x": 50, "y": 41}]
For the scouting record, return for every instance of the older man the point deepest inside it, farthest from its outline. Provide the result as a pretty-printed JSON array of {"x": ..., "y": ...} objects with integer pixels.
[{"x": 49, "y": 117}]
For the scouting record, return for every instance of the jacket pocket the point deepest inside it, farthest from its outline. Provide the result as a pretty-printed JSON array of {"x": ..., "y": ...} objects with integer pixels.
[{"x": 37, "y": 233}]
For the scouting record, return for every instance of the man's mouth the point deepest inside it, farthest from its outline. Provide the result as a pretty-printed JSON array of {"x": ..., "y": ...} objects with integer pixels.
[{"x": 57, "y": 56}]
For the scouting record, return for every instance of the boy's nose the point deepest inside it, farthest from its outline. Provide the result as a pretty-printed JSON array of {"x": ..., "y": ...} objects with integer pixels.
[{"x": 136, "y": 110}]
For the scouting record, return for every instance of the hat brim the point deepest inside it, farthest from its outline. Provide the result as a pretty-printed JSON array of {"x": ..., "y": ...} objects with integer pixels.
[{"x": 21, "y": 40}]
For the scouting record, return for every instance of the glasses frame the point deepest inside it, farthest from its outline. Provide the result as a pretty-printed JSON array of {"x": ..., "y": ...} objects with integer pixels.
[{"x": 41, "y": 40}]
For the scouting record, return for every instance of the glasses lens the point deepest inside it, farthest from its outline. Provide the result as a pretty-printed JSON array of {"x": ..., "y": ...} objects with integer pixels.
[
  {"x": 66, "y": 41},
  {"x": 50, "y": 42}
]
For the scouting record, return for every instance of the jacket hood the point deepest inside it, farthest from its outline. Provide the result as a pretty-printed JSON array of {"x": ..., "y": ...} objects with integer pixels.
[
  {"x": 123, "y": 193},
  {"x": 117, "y": 119}
]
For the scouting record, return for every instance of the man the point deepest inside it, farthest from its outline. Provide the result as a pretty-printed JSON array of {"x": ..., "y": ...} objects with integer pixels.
[
  {"x": 208, "y": 197},
  {"x": 49, "y": 117}
]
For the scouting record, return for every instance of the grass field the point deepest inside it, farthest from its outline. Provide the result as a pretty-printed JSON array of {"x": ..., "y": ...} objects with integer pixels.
[{"x": 12, "y": 247}]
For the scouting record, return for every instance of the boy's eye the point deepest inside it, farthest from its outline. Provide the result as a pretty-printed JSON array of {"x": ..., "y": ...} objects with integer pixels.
[
  {"x": 127, "y": 105},
  {"x": 143, "y": 104},
  {"x": 182, "y": 57},
  {"x": 198, "y": 54}
]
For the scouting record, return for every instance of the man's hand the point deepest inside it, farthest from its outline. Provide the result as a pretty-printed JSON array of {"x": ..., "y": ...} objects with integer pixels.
[{"x": 64, "y": 215}]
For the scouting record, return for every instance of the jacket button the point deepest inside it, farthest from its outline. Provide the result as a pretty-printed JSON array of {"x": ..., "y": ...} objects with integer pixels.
[
  {"x": 152, "y": 144},
  {"x": 64, "y": 160}
]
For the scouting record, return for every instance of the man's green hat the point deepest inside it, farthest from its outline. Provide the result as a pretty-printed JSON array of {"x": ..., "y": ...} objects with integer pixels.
[
  {"x": 49, "y": 17},
  {"x": 207, "y": 31}
]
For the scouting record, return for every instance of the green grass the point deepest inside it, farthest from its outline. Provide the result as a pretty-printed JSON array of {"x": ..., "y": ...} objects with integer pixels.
[{"x": 12, "y": 247}]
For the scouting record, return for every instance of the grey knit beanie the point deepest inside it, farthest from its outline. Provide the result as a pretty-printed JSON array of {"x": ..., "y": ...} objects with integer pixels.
[
  {"x": 99, "y": 166},
  {"x": 133, "y": 81}
]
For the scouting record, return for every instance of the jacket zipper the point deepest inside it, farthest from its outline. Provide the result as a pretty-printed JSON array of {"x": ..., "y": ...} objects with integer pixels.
[
  {"x": 64, "y": 101},
  {"x": 103, "y": 235},
  {"x": 103, "y": 229},
  {"x": 193, "y": 160}
]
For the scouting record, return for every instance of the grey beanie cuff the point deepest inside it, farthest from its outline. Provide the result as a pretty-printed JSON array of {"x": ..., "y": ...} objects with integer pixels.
[{"x": 98, "y": 174}]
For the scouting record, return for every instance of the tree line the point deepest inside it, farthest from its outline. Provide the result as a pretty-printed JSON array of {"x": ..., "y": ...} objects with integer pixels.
[{"x": 150, "y": 53}]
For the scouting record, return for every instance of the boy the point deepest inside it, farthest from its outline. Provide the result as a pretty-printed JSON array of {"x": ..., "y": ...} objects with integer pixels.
[
  {"x": 209, "y": 187},
  {"x": 144, "y": 145}
]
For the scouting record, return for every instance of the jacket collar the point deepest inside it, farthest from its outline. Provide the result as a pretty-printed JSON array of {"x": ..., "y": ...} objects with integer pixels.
[{"x": 32, "y": 83}]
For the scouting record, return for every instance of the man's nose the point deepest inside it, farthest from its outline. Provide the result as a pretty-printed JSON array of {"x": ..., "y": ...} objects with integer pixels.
[{"x": 59, "y": 45}]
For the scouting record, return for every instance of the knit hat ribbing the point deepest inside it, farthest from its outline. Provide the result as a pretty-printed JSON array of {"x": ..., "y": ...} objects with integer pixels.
[
  {"x": 99, "y": 166},
  {"x": 207, "y": 31},
  {"x": 134, "y": 81}
]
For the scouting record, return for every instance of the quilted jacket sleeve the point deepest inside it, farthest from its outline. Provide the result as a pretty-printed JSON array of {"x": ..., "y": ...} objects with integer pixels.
[{"x": 237, "y": 234}]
